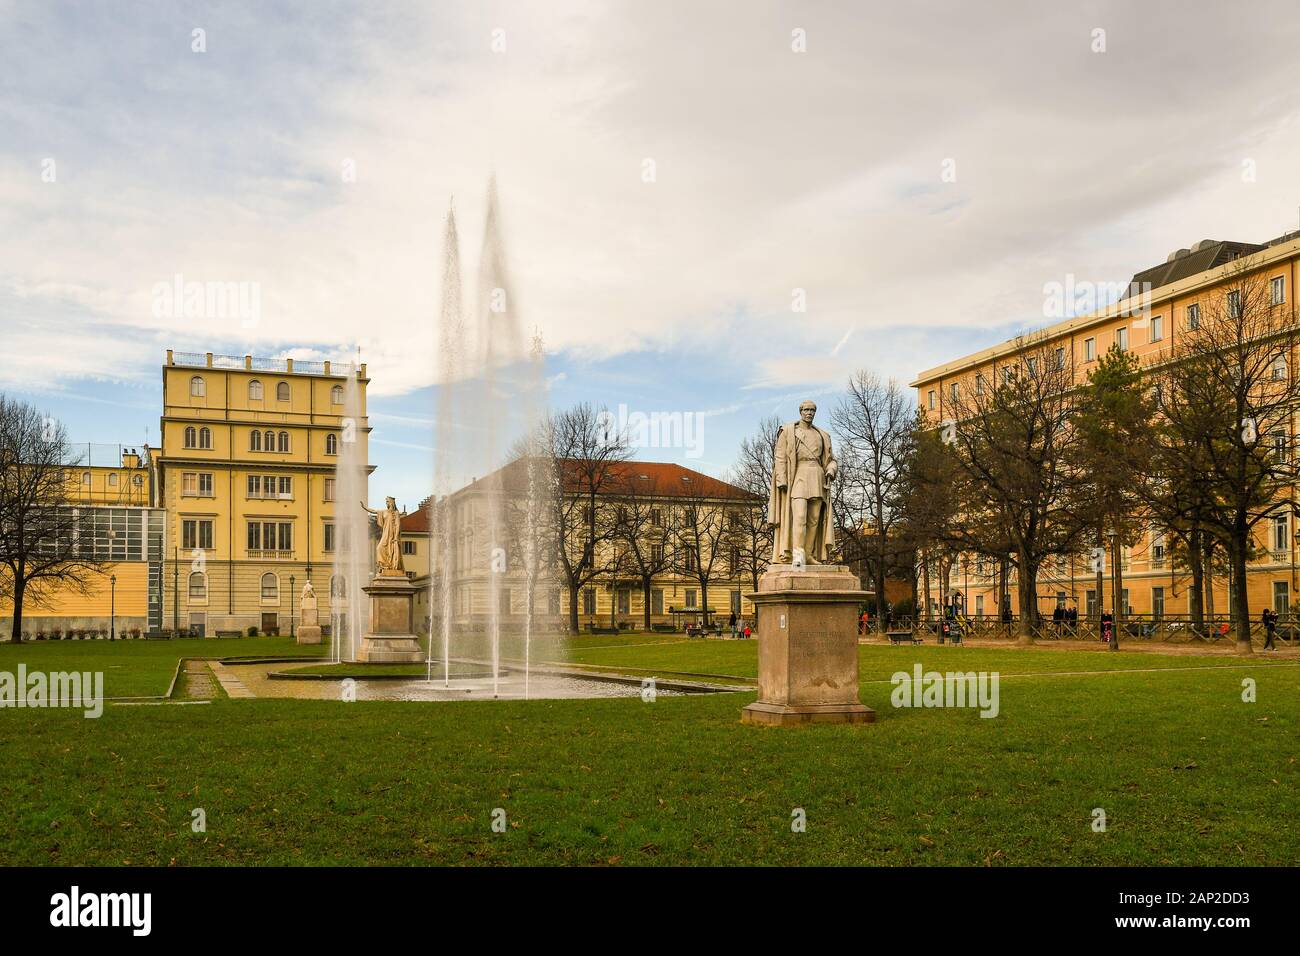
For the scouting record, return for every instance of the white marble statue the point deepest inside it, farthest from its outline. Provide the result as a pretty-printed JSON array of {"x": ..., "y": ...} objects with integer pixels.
[{"x": 799, "y": 508}]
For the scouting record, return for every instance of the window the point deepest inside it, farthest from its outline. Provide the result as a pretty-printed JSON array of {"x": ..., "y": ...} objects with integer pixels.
[
  {"x": 1282, "y": 596},
  {"x": 198, "y": 586},
  {"x": 979, "y": 605},
  {"x": 656, "y": 519},
  {"x": 1276, "y": 290},
  {"x": 1281, "y": 533},
  {"x": 1060, "y": 359},
  {"x": 286, "y": 487},
  {"x": 735, "y": 560},
  {"x": 656, "y": 600},
  {"x": 196, "y": 484},
  {"x": 1007, "y": 374},
  {"x": 931, "y": 399},
  {"x": 196, "y": 534},
  {"x": 284, "y": 441},
  {"x": 338, "y": 586},
  {"x": 282, "y": 392},
  {"x": 1157, "y": 603},
  {"x": 1090, "y": 350},
  {"x": 85, "y": 477},
  {"x": 255, "y": 391},
  {"x": 1279, "y": 368},
  {"x": 1090, "y": 604},
  {"x": 1157, "y": 328},
  {"x": 656, "y": 554},
  {"x": 1121, "y": 338},
  {"x": 979, "y": 383},
  {"x": 553, "y": 601},
  {"x": 329, "y": 489},
  {"x": 588, "y": 600},
  {"x": 205, "y": 437},
  {"x": 331, "y": 444},
  {"x": 270, "y": 441},
  {"x": 270, "y": 536},
  {"x": 691, "y": 597},
  {"x": 1234, "y": 304},
  {"x": 1032, "y": 365},
  {"x": 624, "y": 601},
  {"x": 112, "y": 481},
  {"x": 329, "y": 537},
  {"x": 270, "y": 588},
  {"x": 1193, "y": 317},
  {"x": 952, "y": 391},
  {"x": 255, "y": 440},
  {"x": 408, "y": 547},
  {"x": 191, "y": 437},
  {"x": 336, "y": 395},
  {"x": 198, "y": 388},
  {"x": 1280, "y": 445},
  {"x": 690, "y": 561}
]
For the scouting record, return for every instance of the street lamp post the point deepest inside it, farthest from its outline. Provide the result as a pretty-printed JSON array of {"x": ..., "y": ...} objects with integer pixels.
[
  {"x": 1117, "y": 595},
  {"x": 112, "y": 607},
  {"x": 292, "y": 590}
]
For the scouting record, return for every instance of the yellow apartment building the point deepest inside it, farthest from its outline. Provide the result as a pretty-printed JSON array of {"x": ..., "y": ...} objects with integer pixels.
[
  {"x": 1167, "y": 299},
  {"x": 246, "y": 477},
  {"x": 616, "y": 597},
  {"x": 117, "y": 505}
]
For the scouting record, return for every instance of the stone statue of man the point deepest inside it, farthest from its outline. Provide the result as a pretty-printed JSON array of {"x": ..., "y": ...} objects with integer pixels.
[
  {"x": 388, "y": 553},
  {"x": 799, "y": 508}
]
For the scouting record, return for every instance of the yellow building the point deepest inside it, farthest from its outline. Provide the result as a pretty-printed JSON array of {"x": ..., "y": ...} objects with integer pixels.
[
  {"x": 617, "y": 596},
  {"x": 116, "y": 505},
  {"x": 246, "y": 475},
  {"x": 1169, "y": 298}
]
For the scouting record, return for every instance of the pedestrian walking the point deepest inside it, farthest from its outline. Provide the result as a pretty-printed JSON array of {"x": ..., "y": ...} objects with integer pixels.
[
  {"x": 1270, "y": 629},
  {"x": 733, "y": 625}
]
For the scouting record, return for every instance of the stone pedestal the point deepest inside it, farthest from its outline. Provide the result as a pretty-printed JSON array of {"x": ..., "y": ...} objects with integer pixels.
[
  {"x": 808, "y": 647},
  {"x": 309, "y": 628},
  {"x": 391, "y": 637}
]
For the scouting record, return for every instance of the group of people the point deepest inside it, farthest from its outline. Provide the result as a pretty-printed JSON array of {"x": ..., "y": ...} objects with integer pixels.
[
  {"x": 1065, "y": 618},
  {"x": 739, "y": 627}
]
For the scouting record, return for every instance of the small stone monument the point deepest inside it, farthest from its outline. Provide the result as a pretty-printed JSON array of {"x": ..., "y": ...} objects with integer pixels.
[
  {"x": 309, "y": 626},
  {"x": 807, "y": 608},
  {"x": 390, "y": 639}
]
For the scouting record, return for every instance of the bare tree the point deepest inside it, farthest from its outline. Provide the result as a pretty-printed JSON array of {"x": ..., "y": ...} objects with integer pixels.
[
  {"x": 1229, "y": 393},
  {"x": 1012, "y": 438},
  {"x": 928, "y": 501},
  {"x": 702, "y": 528},
  {"x": 873, "y": 425},
  {"x": 45, "y": 547},
  {"x": 586, "y": 459},
  {"x": 752, "y": 533},
  {"x": 642, "y": 531}
]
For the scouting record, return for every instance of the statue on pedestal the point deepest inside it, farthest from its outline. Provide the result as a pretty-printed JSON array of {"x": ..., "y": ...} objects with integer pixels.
[
  {"x": 309, "y": 631},
  {"x": 799, "y": 507},
  {"x": 388, "y": 553}
]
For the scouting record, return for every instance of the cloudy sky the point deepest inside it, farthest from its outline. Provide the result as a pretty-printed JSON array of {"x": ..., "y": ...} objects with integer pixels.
[{"x": 708, "y": 207}]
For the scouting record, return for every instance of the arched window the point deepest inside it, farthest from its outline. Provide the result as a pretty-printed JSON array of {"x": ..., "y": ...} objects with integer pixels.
[
  {"x": 255, "y": 390},
  {"x": 112, "y": 481},
  {"x": 191, "y": 437},
  {"x": 205, "y": 437},
  {"x": 282, "y": 392},
  {"x": 1279, "y": 368},
  {"x": 338, "y": 586},
  {"x": 85, "y": 477},
  {"x": 284, "y": 441},
  {"x": 198, "y": 586},
  {"x": 270, "y": 441},
  {"x": 331, "y": 444},
  {"x": 198, "y": 388},
  {"x": 336, "y": 395},
  {"x": 254, "y": 440},
  {"x": 270, "y": 588}
]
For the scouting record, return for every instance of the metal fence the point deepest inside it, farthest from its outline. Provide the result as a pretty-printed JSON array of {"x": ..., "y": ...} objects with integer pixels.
[{"x": 1166, "y": 629}]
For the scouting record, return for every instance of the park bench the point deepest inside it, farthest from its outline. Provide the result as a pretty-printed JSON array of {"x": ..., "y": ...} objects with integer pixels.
[
  {"x": 603, "y": 630},
  {"x": 902, "y": 637},
  {"x": 663, "y": 628},
  {"x": 230, "y": 633}
]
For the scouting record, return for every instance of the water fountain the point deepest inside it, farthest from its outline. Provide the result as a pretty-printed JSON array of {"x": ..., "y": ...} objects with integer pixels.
[
  {"x": 352, "y": 550},
  {"x": 488, "y": 407}
]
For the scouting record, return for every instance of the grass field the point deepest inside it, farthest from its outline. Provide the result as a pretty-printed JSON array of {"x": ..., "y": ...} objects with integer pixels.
[{"x": 1186, "y": 772}]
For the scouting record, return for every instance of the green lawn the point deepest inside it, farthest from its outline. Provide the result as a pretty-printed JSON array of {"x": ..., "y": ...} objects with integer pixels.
[{"x": 1186, "y": 772}]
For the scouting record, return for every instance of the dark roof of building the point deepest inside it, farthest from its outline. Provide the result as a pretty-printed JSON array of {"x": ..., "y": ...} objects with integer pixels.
[{"x": 1206, "y": 254}]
